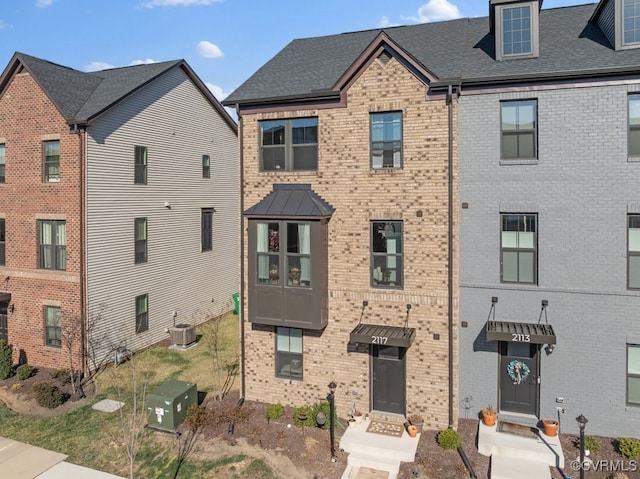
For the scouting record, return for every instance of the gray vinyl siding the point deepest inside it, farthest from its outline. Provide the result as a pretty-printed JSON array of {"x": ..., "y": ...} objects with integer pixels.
[
  {"x": 178, "y": 125},
  {"x": 582, "y": 188}
]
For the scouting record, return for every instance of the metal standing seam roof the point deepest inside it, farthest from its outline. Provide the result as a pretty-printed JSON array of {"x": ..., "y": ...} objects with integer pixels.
[
  {"x": 460, "y": 51},
  {"x": 520, "y": 332},
  {"x": 291, "y": 200},
  {"x": 382, "y": 335}
]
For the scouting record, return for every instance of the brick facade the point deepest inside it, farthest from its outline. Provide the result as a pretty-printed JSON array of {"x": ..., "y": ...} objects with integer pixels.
[
  {"x": 27, "y": 118},
  {"x": 417, "y": 194}
]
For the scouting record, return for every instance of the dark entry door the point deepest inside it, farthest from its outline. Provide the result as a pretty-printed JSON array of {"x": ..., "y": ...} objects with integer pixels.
[
  {"x": 519, "y": 383},
  {"x": 388, "y": 379},
  {"x": 4, "y": 331}
]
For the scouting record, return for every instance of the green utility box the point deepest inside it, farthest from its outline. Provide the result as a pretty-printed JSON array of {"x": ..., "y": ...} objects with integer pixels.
[{"x": 168, "y": 403}]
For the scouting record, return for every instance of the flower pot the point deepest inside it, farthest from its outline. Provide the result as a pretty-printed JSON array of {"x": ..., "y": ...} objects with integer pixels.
[
  {"x": 550, "y": 427},
  {"x": 352, "y": 422},
  {"x": 412, "y": 430},
  {"x": 358, "y": 419},
  {"x": 418, "y": 424},
  {"x": 489, "y": 417}
]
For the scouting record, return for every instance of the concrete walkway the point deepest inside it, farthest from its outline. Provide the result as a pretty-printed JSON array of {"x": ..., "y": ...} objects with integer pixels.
[{"x": 22, "y": 461}]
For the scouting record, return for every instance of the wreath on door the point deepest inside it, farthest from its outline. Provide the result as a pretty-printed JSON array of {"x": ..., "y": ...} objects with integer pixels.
[{"x": 518, "y": 371}]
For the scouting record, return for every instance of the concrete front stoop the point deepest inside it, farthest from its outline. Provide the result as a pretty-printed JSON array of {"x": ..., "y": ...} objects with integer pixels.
[
  {"x": 514, "y": 456},
  {"x": 376, "y": 456}
]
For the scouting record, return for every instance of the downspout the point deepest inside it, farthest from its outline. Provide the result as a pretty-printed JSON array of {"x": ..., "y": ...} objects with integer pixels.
[
  {"x": 450, "y": 248},
  {"x": 242, "y": 282},
  {"x": 81, "y": 131}
]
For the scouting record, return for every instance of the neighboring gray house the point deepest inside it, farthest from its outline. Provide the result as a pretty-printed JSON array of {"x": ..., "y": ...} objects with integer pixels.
[
  {"x": 550, "y": 216},
  {"x": 119, "y": 198}
]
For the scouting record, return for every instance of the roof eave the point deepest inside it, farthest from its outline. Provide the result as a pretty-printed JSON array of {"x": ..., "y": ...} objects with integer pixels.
[{"x": 324, "y": 95}]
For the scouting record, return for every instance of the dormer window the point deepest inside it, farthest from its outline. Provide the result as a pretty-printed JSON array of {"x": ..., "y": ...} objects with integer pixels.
[
  {"x": 515, "y": 28},
  {"x": 631, "y": 22},
  {"x": 619, "y": 20}
]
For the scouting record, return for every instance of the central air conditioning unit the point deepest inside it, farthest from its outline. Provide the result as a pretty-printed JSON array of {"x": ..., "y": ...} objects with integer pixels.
[{"x": 182, "y": 335}]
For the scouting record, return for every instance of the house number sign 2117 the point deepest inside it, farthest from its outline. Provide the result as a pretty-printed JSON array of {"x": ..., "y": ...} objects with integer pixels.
[
  {"x": 379, "y": 339},
  {"x": 520, "y": 338}
]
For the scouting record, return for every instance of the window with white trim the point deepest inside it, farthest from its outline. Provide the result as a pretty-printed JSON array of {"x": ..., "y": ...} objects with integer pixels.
[{"x": 633, "y": 374}]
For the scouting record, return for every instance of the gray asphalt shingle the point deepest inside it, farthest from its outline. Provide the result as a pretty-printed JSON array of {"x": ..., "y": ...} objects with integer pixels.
[{"x": 455, "y": 50}]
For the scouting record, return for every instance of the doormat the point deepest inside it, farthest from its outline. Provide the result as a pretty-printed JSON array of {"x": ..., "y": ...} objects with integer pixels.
[
  {"x": 517, "y": 429},
  {"x": 386, "y": 428}
]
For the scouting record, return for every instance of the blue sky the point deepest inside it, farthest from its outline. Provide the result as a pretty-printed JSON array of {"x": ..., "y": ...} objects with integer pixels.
[{"x": 224, "y": 41}]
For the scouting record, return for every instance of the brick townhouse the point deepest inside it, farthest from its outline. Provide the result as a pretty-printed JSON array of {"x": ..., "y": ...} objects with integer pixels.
[
  {"x": 444, "y": 216},
  {"x": 118, "y": 207},
  {"x": 346, "y": 173}
]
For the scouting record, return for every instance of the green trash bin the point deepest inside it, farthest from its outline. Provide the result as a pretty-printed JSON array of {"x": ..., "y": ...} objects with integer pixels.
[{"x": 236, "y": 302}]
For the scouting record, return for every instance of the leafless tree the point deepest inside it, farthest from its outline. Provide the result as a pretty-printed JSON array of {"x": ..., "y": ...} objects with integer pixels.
[
  {"x": 131, "y": 381},
  {"x": 225, "y": 366}
]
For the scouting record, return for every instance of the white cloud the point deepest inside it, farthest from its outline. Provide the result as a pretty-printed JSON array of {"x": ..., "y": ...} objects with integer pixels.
[
  {"x": 173, "y": 3},
  {"x": 142, "y": 62},
  {"x": 386, "y": 23},
  {"x": 436, "y": 10},
  {"x": 97, "y": 66},
  {"x": 43, "y": 3},
  {"x": 208, "y": 50},
  {"x": 217, "y": 91}
]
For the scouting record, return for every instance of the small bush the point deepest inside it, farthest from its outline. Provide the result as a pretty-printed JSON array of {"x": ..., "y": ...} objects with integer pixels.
[
  {"x": 16, "y": 387},
  {"x": 48, "y": 395},
  {"x": 449, "y": 439},
  {"x": 304, "y": 410},
  {"x": 24, "y": 371},
  {"x": 590, "y": 443},
  {"x": 6, "y": 360},
  {"x": 275, "y": 411},
  {"x": 629, "y": 447}
]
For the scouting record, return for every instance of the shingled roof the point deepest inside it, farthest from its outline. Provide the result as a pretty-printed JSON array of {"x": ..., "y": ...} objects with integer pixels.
[
  {"x": 80, "y": 97},
  {"x": 459, "y": 52}
]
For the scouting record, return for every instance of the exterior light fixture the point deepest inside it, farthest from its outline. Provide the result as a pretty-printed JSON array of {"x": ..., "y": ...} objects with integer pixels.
[
  {"x": 331, "y": 399},
  {"x": 582, "y": 422}
]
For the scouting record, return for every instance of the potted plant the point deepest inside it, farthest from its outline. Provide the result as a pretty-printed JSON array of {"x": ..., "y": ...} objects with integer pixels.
[
  {"x": 417, "y": 420},
  {"x": 489, "y": 416},
  {"x": 412, "y": 430},
  {"x": 550, "y": 427}
]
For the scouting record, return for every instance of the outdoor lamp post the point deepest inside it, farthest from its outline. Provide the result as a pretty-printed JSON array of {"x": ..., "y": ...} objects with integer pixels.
[
  {"x": 331, "y": 399},
  {"x": 582, "y": 422}
]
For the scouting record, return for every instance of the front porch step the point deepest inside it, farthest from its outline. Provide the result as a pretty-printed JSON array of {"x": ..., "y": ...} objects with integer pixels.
[
  {"x": 505, "y": 467},
  {"x": 541, "y": 448},
  {"x": 357, "y": 472},
  {"x": 371, "y": 461}
]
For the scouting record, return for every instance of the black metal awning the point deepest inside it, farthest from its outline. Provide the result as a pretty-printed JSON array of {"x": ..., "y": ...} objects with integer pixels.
[
  {"x": 382, "y": 335},
  {"x": 5, "y": 297},
  {"x": 520, "y": 332}
]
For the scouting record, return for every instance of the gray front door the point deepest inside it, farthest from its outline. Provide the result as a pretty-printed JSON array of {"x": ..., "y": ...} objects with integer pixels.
[
  {"x": 519, "y": 384},
  {"x": 388, "y": 379},
  {"x": 4, "y": 331}
]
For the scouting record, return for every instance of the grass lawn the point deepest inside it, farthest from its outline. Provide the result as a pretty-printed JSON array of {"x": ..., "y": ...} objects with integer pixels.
[{"x": 90, "y": 438}]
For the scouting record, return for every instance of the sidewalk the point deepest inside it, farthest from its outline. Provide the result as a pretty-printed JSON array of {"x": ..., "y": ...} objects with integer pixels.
[{"x": 22, "y": 461}]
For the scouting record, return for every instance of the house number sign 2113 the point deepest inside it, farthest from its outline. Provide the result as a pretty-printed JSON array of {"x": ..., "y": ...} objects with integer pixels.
[
  {"x": 379, "y": 339},
  {"x": 520, "y": 338}
]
